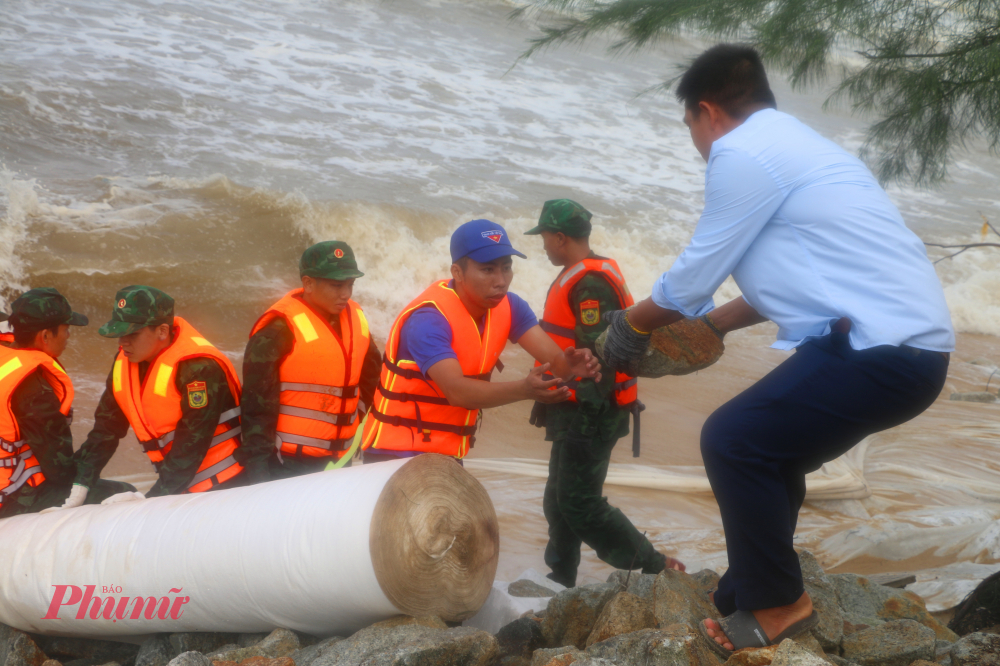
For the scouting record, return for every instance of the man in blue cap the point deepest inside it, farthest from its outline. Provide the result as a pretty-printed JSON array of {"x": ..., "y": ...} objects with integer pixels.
[{"x": 443, "y": 348}]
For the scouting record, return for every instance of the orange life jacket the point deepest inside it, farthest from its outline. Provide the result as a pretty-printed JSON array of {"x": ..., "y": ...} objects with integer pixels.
[
  {"x": 6, "y": 339},
  {"x": 559, "y": 320},
  {"x": 410, "y": 411},
  {"x": 18, "y": 465},
  {"x": 152, "y": 405},
  {"x": 320, "y": 378}
]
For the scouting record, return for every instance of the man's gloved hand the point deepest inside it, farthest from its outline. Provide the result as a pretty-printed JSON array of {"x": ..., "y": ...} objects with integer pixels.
[
  {"x": 624, "y": 346},
  {"x": 124, "y": 497},
  {"x": 537, "y": 417},
  {"x": 77, "y": 496}
]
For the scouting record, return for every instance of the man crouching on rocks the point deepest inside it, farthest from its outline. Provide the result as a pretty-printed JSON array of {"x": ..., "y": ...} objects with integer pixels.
[{"x": 817, "y": 247}]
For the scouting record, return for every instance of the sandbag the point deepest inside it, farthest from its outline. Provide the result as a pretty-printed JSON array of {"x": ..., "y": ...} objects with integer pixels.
[{"x": 684, "y": 347}]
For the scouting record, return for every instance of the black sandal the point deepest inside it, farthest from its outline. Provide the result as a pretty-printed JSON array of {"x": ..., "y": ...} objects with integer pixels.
[{"x": 743, "y": 631}]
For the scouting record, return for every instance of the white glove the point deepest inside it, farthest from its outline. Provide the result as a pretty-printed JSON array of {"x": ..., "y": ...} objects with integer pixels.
[
  {"x": 124, "y": 497},
  {"x": 77, "y": 496}
]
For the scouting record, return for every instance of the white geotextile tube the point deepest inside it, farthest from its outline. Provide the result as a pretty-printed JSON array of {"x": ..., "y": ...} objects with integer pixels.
[
  {"x": 842, "y": 478},
  {"x": 292, "y": 553}
]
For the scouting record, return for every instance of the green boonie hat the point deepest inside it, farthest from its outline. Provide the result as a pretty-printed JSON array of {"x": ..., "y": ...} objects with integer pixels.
[
  {"x": 136, "y": 307},
  {"x": 41, "y": 308},
  {"x": 563, "y": 215},
  {"x": 331, "y": 260}
]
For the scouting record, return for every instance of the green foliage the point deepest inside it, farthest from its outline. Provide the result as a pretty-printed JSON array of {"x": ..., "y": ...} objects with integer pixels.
[{"x": 928, "y": 71}]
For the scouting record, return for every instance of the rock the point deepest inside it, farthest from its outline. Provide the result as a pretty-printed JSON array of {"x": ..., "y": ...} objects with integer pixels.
[
  {"x": 431, "y": 621},
  {"x": 246, "y": 640},
  {"x": 155, "y": 651},
  {"x": 976, "y": 649},
  {"x": 560, "y": 656},
  {"x": 51, "y": 662},
  {"x": 830, "y": 630},
  {"x": 840, "y": 661},
  {"x": 974, "y": 396},
  {"x": 639, "y": 584},
  {"x": 413, "y": 645},
  {"x": 791, "y": 653},
  {"x": 190, "y": 658},
  {"x": 571, "y": 614},
  {"x": 205, "y": 642},
  {"x": 706, "y": 579},
  {"x": 865, "y": 603},
  {"x": 624, "y": 614},
  {"x": 264, "y": 661},
  {"x": 679, "y": 600},
  {"x": 18, "y": 649},
  {"x": 307, "y": 655},
  {"x": 810, "y": 643},
  {"x": 893, "y": 643},
  {"x": 528, "y": 588},
  {"x": 279, "y": 643},
  {"x": 752, "y": 657},
  {"x": 100, "y": 651},
  {"x": 924, "y": 662},
  {"x": 675, "y": 645},
  {"x": 519, "y": 639},
  {"x": 587, "y": 660}
]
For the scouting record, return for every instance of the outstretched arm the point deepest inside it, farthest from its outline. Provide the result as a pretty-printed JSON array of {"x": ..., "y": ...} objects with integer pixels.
[
  {"x": 469, "y": 393},
  {"x": 565, "y": 363}
]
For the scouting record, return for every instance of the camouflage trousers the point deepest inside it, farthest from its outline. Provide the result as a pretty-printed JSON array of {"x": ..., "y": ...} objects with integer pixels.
[
  {"x": 577, "y": 512},
  {"x": 33, "y": 500}
]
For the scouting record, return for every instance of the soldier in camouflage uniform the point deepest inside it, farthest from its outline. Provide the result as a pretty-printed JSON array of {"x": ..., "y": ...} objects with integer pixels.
[
  {"x": 41, "y": 319},
  {"x": 584, "y": 432},
  {"x": 329, "y": 264},
  {"x": 202, "y": 379}
]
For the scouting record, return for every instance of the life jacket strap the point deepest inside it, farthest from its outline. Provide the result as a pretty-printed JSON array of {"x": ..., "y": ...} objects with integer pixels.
[
  {"x": 416, "y": 374},
  {"x": 166, "y": 440},
  {"x": 411, "y": 397},
  {"x": 316, "y": 415},
  {"x": 212, "y": 471},
  {"x": 462, "y": 431},
  {"x": 302, "y": 440},
  {"x": 561, "y": 331}
]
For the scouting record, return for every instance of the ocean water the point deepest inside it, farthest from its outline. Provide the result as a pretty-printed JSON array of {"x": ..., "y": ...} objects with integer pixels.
[{"x": 200, "y": 147}]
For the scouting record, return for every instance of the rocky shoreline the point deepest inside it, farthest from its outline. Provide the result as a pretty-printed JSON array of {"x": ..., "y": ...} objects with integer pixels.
[{"x": 631, "y": 619}]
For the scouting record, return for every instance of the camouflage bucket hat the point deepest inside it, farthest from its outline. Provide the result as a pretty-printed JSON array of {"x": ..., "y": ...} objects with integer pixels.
[
  {"x": 138, "y": 306},
  {"x": 41, "y": 308},
  {"x": 563, "y": 215},
  {"x": 330, "y": 260}
]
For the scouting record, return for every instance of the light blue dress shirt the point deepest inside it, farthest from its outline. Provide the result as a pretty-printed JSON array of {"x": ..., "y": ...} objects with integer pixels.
[{"x": 809, "y": 236}]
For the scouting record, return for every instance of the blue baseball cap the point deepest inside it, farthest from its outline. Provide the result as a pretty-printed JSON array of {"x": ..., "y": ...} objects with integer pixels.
[{"x": 482, "y": 241}]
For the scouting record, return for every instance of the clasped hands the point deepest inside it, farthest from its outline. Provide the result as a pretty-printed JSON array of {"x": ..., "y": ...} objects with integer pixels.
[{"x": 570, "y": 364}]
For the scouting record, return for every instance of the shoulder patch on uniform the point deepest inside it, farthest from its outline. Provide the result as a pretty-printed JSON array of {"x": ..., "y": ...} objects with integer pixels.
[
  {"x": 590, "y": 312},
  {"x": 197, "y": 395}
]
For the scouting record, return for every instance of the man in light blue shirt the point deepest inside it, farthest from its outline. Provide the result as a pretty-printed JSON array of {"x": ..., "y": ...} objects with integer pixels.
[{"x": 817, "y": 247}]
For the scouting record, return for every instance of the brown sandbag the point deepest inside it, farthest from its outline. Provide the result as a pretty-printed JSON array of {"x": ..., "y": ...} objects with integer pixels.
[{"x": 679, "y": 349}]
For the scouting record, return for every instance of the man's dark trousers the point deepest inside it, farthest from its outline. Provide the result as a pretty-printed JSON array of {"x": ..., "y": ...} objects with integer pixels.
[{"x": 759, "y": 446}]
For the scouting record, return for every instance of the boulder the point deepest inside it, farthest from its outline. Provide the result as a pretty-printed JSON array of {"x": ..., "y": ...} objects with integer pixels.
[
  {"x": 155, "y": 651},
  {"x": 624, "y": 614},
  {"x": 18, "y": 649},
  {"x": 791, "y": 653},
  {"x": 678, "y": 599},
  {"x": 893, "y": 643},
  {"x": 866, "y": 603},
  {"x": 205, "y": 642},
  {"x": 307, "y": 655},
  {"x": 413, "y": 645},
  {"x": 279, "y": 643},
  {"x": 830, "y": 630},
  {"x": 518, "y": 640},
  {"x": 587, "y": 660},
  {"x": 560, "y": 656},
  {"x": 101, "y": 651},
  {"x": 639, "y": 584},
  {"x": 675, "y": 645},
  {"x": 976, "y": 649},
  {"x": 706, "y": 579},
  {"x": 752, "y": 657},
  {"x": 572, "y": 613},
  {"x": 528, "y": 588},
  {"x": 840, "y": 661},
  {"x": 52, "y": 662},
  {"x": 246, "y": 640},
  {"x": 190, "y": 658}
]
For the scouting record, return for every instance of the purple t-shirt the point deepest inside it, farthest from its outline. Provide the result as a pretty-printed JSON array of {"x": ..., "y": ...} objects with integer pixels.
[{"x": 426, "y": 335}]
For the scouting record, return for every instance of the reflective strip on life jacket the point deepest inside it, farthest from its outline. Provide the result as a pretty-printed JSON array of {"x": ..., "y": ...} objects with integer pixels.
[
  {"x": 322, "y": 365},
  {"x": 559, "y": 320},
  {"x": 410, "y": 412}
]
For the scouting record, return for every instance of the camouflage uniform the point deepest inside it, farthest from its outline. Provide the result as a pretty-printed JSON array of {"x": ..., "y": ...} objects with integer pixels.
[
  {"x": 262, "y": 360},
  {"x": 40, "y": 423},
  {"x": 583, "y": 435},
  {"x": 146, "y": 306}
]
